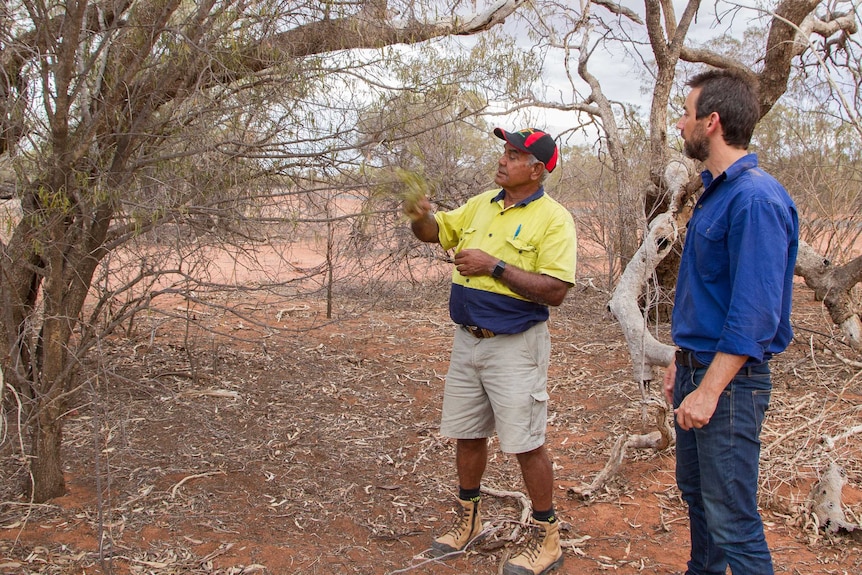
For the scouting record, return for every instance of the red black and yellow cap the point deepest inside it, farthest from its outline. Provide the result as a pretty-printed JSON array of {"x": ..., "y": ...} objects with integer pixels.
[{"x": 532, "y": 141}]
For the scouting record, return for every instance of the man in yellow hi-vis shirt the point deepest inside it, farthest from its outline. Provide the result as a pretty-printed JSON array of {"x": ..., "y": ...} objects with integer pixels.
[{"x": 515, "y": 253}]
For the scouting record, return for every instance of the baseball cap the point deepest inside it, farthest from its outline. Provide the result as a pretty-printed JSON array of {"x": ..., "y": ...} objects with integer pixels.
[{"x": 532, "y": 141}]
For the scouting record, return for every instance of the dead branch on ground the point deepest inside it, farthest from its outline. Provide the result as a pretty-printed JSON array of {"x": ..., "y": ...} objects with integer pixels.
[
  {"x": 657, "y": 440},
  {"x": 825, "y": 501}
]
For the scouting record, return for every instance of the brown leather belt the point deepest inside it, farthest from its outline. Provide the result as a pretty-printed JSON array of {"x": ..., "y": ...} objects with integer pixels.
[
  {"x": 479, "y": 332},
  {"x": 687, "y": 358}
]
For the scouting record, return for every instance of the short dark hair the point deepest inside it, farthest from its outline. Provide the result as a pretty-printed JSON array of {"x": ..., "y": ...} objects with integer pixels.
[{"x": 733, "y": 95}]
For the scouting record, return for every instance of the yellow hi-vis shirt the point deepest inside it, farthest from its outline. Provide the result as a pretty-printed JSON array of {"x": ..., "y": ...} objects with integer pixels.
[{"x": 537, "y": 235}]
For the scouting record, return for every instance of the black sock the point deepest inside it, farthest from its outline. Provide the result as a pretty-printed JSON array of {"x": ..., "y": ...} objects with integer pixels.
[
  {"x": 545, "y": 516},
  {"x": 470, "y": 494}
]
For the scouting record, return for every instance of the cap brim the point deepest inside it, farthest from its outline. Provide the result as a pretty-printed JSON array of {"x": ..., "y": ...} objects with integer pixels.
[{"x": 512, "y": 139}]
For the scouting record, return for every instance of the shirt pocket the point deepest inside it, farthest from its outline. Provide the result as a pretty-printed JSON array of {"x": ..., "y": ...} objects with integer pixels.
[
  {"x": 521, "y": 253},
  {"x": 710, "y": 249},
  {"x": 467, "y": 235}
]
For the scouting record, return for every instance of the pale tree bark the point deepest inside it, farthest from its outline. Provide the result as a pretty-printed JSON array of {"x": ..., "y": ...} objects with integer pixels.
[
  {"x": 825, "y": 502},
  {"x": 663, "y": 232},
  {"x": 666, "y": 39},
  {"x": 116, "y": 83},
  {"x": 832, "y": 284}
]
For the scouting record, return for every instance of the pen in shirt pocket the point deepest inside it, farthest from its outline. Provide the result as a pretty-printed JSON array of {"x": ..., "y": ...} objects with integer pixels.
[{"x": 517, "y": 231}]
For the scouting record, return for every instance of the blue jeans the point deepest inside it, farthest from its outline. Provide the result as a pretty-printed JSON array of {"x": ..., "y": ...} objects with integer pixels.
[{"x": 716, "y": 471}]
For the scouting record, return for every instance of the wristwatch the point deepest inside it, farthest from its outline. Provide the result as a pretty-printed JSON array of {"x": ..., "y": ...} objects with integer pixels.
[{"x": 498, "y": 270}]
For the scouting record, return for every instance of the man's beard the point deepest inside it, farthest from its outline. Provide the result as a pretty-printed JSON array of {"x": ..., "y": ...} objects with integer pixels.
[{"x": 697, "y": 146}]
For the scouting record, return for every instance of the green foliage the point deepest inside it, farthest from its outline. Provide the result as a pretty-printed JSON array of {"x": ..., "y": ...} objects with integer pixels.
[
  {"x": 433, "y": 128},
  {"x": 55, "y": 202},
  {"x": 414, "y": 186}
]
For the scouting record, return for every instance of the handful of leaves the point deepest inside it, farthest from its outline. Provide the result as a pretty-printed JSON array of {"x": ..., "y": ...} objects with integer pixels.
[{"x": 414, "y": 188}]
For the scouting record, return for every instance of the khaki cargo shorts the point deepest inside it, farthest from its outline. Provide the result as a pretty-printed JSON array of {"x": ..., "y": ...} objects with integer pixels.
[{"x": 498, "y": 384}]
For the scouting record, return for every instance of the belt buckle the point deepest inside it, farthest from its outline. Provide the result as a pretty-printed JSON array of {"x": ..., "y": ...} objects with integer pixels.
[{"x": 479, "y": 332}]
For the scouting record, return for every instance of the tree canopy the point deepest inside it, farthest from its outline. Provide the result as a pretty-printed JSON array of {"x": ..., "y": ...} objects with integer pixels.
[{"x": 120, "y": 118}]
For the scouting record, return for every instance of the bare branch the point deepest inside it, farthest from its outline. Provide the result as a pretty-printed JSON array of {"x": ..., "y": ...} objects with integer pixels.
[
  {"x": 620, "y": 10},
  {"x": 363, "y": 32},
  {"x": 832, "y": 285}
]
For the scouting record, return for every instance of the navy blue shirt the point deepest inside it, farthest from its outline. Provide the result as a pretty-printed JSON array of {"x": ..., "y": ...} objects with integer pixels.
[{"x": 735, "y": 284}]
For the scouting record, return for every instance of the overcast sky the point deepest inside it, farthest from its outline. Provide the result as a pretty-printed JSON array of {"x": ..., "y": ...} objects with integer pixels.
[{"x": 620, "y": 74}]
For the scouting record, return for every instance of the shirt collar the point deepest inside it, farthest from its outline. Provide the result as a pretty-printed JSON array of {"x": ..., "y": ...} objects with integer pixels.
[
  {"x": 741, "y": 165},
  {"x": 538, "y": 194}
]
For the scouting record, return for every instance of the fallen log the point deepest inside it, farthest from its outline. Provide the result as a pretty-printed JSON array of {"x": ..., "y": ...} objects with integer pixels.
[{"x": 826, "y": 504}]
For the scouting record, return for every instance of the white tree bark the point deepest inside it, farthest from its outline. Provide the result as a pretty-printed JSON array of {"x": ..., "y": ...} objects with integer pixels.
[
  {"x": 832, "y": 285},
  {"x": 825, "y": 501},
  {"x": 645, "y": 350}
]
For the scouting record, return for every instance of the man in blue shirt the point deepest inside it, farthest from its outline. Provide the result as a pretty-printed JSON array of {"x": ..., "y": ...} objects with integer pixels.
[
  {"x": 731, "y": 315},
  {"x": 515, "y": 252}
]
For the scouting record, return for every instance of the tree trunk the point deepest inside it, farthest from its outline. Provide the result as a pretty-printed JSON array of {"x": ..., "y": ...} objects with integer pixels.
[
  {"x": 645, "y": 350},
  {"x": 47, "y": 272},
  {"x": 47, "y": 463},
  {"x": 54, "y": 381}
]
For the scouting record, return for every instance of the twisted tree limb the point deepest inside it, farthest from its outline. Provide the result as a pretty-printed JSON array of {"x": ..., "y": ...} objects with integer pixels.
[
  {"x": 658, "y": 440},
  {"x": 832, "y": 285},
  {"x": 645, "y": 350}
]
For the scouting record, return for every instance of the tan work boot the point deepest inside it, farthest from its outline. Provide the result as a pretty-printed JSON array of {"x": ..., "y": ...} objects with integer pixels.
[
  {"x": 468, "y": 526},
  {"x": 542, "y": 553}
]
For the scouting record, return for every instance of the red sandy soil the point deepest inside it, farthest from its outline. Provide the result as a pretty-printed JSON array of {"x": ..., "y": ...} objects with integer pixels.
[{"x": 297, "y": 451}]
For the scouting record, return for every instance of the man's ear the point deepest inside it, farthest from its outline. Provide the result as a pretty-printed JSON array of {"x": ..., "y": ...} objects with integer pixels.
[
  {"x": 538, "y": 169},
  {"x": 713, "y": 122}
]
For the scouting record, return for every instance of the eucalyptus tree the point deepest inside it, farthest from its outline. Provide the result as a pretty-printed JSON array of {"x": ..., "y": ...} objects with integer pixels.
[{"x": 121, "y": 118}]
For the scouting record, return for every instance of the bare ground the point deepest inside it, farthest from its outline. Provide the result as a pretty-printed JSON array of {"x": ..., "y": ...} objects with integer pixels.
[{"x": 317, "y": 451}]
